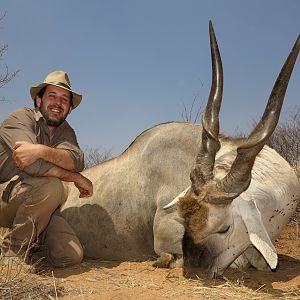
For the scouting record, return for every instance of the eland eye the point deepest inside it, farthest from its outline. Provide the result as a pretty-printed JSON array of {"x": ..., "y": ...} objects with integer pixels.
[{"x": 224, "y": 230}]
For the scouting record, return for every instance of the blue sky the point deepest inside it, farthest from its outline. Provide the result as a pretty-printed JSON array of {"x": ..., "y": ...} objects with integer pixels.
[{"x": 137, "y": 62}]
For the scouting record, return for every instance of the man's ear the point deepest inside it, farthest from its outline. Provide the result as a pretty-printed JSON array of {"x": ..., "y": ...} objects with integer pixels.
[
  {"x": 38, "y": 101},
  {"x": 70, "y": 109}
]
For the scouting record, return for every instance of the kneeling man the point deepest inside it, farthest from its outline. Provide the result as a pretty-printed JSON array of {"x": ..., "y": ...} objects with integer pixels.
[{"x": 39, "y": 150}]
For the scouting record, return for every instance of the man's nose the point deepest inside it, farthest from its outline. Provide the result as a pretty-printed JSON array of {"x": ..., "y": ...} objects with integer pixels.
[{"x": 58, "y": 101}]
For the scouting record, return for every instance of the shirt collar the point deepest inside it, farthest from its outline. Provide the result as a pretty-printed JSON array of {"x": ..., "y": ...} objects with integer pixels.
[{"x": 37, "y": 114}]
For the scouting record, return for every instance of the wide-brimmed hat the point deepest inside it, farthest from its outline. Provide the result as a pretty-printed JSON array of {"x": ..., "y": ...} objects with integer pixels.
[{"x": 60, "y": 79}]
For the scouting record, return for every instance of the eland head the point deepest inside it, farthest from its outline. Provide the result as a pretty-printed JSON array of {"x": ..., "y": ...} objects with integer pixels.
[{"x": 220, "y": 212}]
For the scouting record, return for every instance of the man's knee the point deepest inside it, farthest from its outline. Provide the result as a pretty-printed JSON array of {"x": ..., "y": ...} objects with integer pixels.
[
  {"x": 64, "y": 248},
  {"x": 48, "y": 185},
  {"x": 31, "y": 196},
  {"x": 54, "y": 187},
  {"x": 69, "y": 255},
  {"x": 45, "y": 189}
]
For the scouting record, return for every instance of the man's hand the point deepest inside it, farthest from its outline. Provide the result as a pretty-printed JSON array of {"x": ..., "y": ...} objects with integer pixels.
[
  {"x": 25, "y": 154},
  {"x": 84, "y": 186}
]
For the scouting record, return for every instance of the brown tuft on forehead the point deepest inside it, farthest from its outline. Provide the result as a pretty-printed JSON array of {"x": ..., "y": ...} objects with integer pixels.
[
  {"x": 193, "y": 211},
  {"x": 188, "y": 204}
]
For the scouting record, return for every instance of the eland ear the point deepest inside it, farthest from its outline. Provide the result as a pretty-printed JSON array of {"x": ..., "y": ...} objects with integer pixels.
[{"x": 258, "y": 234}]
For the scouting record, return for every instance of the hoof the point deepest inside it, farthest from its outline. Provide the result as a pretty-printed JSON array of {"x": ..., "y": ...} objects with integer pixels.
[{"x": 167, "y": 260}]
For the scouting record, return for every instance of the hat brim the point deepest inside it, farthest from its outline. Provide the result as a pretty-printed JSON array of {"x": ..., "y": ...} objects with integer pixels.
[{"x": 34, "y": 91}]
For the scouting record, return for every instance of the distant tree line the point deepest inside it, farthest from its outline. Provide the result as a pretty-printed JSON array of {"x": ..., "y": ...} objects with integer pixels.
[
  {"x": 95, "y": 156},
  {"x": 286, "y": 138}
]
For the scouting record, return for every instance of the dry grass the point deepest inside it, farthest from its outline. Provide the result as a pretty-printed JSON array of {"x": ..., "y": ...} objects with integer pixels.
[{"x": 16, "y": 283}]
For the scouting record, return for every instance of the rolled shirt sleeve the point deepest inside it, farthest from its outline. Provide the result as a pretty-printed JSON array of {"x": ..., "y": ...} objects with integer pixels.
[
  {"x": 76, "y": 153},
  {"x": 66, "y": 139}
]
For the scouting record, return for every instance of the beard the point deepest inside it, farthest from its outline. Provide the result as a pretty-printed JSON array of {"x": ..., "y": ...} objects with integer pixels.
[{"x": 52, "y": 121}]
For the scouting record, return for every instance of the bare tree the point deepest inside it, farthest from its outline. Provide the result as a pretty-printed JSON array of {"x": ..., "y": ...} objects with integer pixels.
[
  {"x": 192, "y": 114},
  {"x": 286, "y": 138},
  {"x": 95, "y": 156},
  {"x": 5, "y": 75}
]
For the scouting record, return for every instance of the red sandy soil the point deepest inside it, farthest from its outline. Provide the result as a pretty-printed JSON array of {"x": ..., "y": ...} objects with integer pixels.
[
  {"x": 139, "y": 280},
  {"x": 95, "y": 279}
]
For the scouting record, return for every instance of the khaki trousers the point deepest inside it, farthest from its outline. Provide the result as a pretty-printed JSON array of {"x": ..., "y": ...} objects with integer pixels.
[{"x": 29, "y": 207}]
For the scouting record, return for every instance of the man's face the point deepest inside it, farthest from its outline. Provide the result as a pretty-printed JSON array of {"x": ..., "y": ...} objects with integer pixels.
[{"x": 55, "y": 105}]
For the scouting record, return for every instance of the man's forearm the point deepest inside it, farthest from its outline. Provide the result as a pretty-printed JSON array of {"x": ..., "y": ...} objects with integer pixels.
[
  {"x": 59, "y": 157},
  {"x": 62, "y": 174},
  {"x": 83, "y": 184}
]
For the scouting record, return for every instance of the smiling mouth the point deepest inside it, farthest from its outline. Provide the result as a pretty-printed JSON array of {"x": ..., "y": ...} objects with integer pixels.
[{"x": 56, "y": 111}]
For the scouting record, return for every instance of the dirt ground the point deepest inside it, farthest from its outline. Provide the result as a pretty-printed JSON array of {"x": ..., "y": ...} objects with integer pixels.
[{"x": 139, "y": 280}]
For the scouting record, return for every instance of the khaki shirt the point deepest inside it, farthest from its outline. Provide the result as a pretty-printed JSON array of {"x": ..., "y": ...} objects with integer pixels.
[{"x": 29, "y": 125}]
